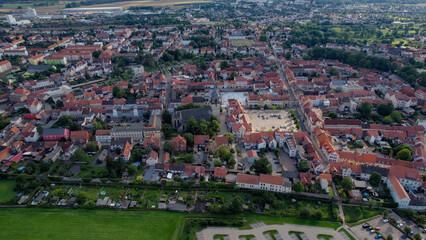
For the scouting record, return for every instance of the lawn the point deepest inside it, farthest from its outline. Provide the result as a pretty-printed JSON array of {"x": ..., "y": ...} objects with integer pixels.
[
  {"x": 27, "y": 223},
  {"x": 6, "y": 190},
  {"x": 355, "y": 214}
]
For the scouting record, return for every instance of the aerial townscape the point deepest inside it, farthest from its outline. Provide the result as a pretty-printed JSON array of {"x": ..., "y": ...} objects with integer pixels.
[{"x": 213, "y": 119}]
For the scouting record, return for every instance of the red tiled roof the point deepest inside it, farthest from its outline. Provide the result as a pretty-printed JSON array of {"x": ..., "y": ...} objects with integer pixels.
[{"x": 248, "y": 179}]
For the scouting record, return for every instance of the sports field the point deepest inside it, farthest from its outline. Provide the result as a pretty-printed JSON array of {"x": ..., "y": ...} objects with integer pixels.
[{"x": 25, "y": 223}]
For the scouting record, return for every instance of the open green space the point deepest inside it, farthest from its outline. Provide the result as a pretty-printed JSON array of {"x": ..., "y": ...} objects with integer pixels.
[
  {"x": 247, "y": 237},
  {"x": 20, "y": 223},
  {"x": 355, "y": 214},
  {"x": 6, "y": 190}
]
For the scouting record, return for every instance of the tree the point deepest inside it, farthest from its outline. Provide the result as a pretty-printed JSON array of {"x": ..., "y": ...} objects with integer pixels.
[
  {"x": 132, "y": 169},
  {"x": 92, "y": 147},
  {"x": 366, "y": 109},
  {"x": 166, "y": 117},
  {"x": 417, "y": 236},
  {"x": 168, "y": 147},
  {"x": 236, "y": 206},
  {"x": 333, "y": 72},
  {"x": 398, "y": 148},
  {"x": 347, "y": 184},
  {"x": 81, "y": 197},
  {"x": 261, "y": 166},
  {"x": 387, "y": 120},
  {"x": 59, "y": 104},
  {"x": 167, "y": 130},
  {"x": 389, "y": 237},
  {"x": 396, "y": 116},
  {"x": 80, "y": 156},
  {"x": 386, "y": 213},
  {"x": 230, "y": 137},
  {"x": 189, "y": 139},
  {"x": 407, "y": 229},
  {"x": 385, "y": 109},
  {"x": 263, "y": 38},
  {"x": 332, "y": 115},
  {"x": 404, "y": 154},
  {"x": 192, "y": 125},
  {"x": 305, "y": 213},
  {"x": 298, "y": 187},
  {"x": 375, "y": 179},
  {"x": 231, "y": 163},
  {"x": 217, "y": 163}
]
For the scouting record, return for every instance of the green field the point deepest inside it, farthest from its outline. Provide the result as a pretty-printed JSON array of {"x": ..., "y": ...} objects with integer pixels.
[
  {"x": 355, "y": 214},
  {"x": 33, "y": 224},
  {"x": 6, "y": 190}
]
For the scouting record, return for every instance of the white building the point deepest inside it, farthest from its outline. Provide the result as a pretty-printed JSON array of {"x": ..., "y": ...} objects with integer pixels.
[{"x": 263, "y": 182}]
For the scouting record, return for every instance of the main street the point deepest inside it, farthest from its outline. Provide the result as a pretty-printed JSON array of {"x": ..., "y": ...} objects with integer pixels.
[{"x": 299, "y": 112}]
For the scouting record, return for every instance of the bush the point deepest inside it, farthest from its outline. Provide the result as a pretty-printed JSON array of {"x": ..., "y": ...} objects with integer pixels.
[{"x": 306, "y": 213}]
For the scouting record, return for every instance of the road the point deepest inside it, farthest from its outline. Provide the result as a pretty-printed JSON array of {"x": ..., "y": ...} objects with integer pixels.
[{"x": 299, "y": 111}]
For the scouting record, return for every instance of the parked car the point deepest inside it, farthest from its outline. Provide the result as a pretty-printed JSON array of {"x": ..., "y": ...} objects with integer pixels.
[
  {"x": 372, "y": 231},
  {"x": 377, "y": 228},
  {"x": 400, "y": 225},
  {"x": 404, "y": 236},
  {"x": 365, "y": 225},
  {"x": 378, "y": 236},
  {"x": 385, "y": 220}
]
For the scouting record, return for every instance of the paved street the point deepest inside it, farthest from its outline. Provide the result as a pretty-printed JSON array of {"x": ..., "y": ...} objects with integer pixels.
[{"x": 234, "y": 233}]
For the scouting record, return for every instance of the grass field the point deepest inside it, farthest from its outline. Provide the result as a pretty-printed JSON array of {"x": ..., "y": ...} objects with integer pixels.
[
  {"x": 355, "y": 214},
  {"x": 6, "y": 190},
  {"x": 251, "y": 218},
  {"x": 34, "y": 224}
]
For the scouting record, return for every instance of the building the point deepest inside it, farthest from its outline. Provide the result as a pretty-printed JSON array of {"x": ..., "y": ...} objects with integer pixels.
[
  {"x": 136, "y": 132},
  {"x": 151, "y": 158},
  {"x": 179, "y": 144},
  {"x": 263, "y": 182},
  {"x": 151, "y": 142},
  {"x": 103, "y": 136},
  {"x": 34, "y": 106},
  {"x": 252, "y": 156},
  {"x": 5, "y": 66},
  {"x": 220, "y": 173},
  {"x": 80, "y": 136},
  {"x": 201, "y": 142},
  {"x": 55, "y": 134},
  {"x": 180, "y": 118},
  {"x": 127, "y": 151},
  {"x": 55, "y": 60},
  {"x": 398, "y": 192}
]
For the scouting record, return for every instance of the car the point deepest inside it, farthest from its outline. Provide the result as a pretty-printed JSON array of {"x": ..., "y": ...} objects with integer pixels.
[
  {"x": 385, "y": 220},
  {"x": 390, "y": 219},
  {"x": 377, "y": 228},
  {"x": 411, "y": 233},
  {"x": 417, "y": 226},
  {"x": 404, "y": 236},
  {"x": 378, "y": 236},
  {"x": 400, "y": 225},
  {"x": 365, "y": 226},
  {"x": 372, "y": 231},
  {"x": 424, "y": 230}
]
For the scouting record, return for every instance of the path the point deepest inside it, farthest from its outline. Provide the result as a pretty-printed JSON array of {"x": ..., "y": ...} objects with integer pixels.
[{"x": 311, "y": 232}]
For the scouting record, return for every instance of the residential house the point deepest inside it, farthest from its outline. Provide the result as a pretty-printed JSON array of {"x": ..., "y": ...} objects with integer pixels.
[
  {"x": 201, "y": 142},
  {"x": 179, "y": 144},
  {"x": 151, "y": 158},
  {"x": 55, "y": 134}
]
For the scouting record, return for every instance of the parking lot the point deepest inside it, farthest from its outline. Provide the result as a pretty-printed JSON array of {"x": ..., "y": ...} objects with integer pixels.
[
  {"x": 269, "y": 119},
  {"x": 386, "y": 229}
]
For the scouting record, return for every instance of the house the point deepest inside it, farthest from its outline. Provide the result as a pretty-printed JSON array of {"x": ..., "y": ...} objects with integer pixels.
[
  {"x": 55, "y": 134},
  {"x": 263, "y": 182},
  {"x": 193, "y": 171},
  {"x": 180, "y": 118},
  {"x": 201, "y": 142},
  {"x": 367, "y": 170},
  {"x": 127, "y": 151},
  {"x": 220, "y": 173},
  {"x": 151, "y": 142},
  {"x": 5, "y": 66},
  {"x": 103, "y": 136},
  {"x": 151, "y": 158},
  {"x": 355, "y": 195},
  {"x": 325, "y": 180},
  {"x": 136, "y": 132},
  {"x": 398, "y": 192},
  {"x": 34, "y": 105},
  {"x": 252, "y": 156},
  {"x": 179, "y": 144},
  {"x": 80, "y": 136}
]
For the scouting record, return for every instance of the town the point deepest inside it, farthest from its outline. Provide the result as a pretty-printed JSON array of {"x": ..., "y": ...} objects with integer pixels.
[{"x": 247, "y": 120}]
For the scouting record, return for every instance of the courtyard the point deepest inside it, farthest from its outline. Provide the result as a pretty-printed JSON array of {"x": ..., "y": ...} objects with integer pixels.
[{"x": 264, "y": 120}]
